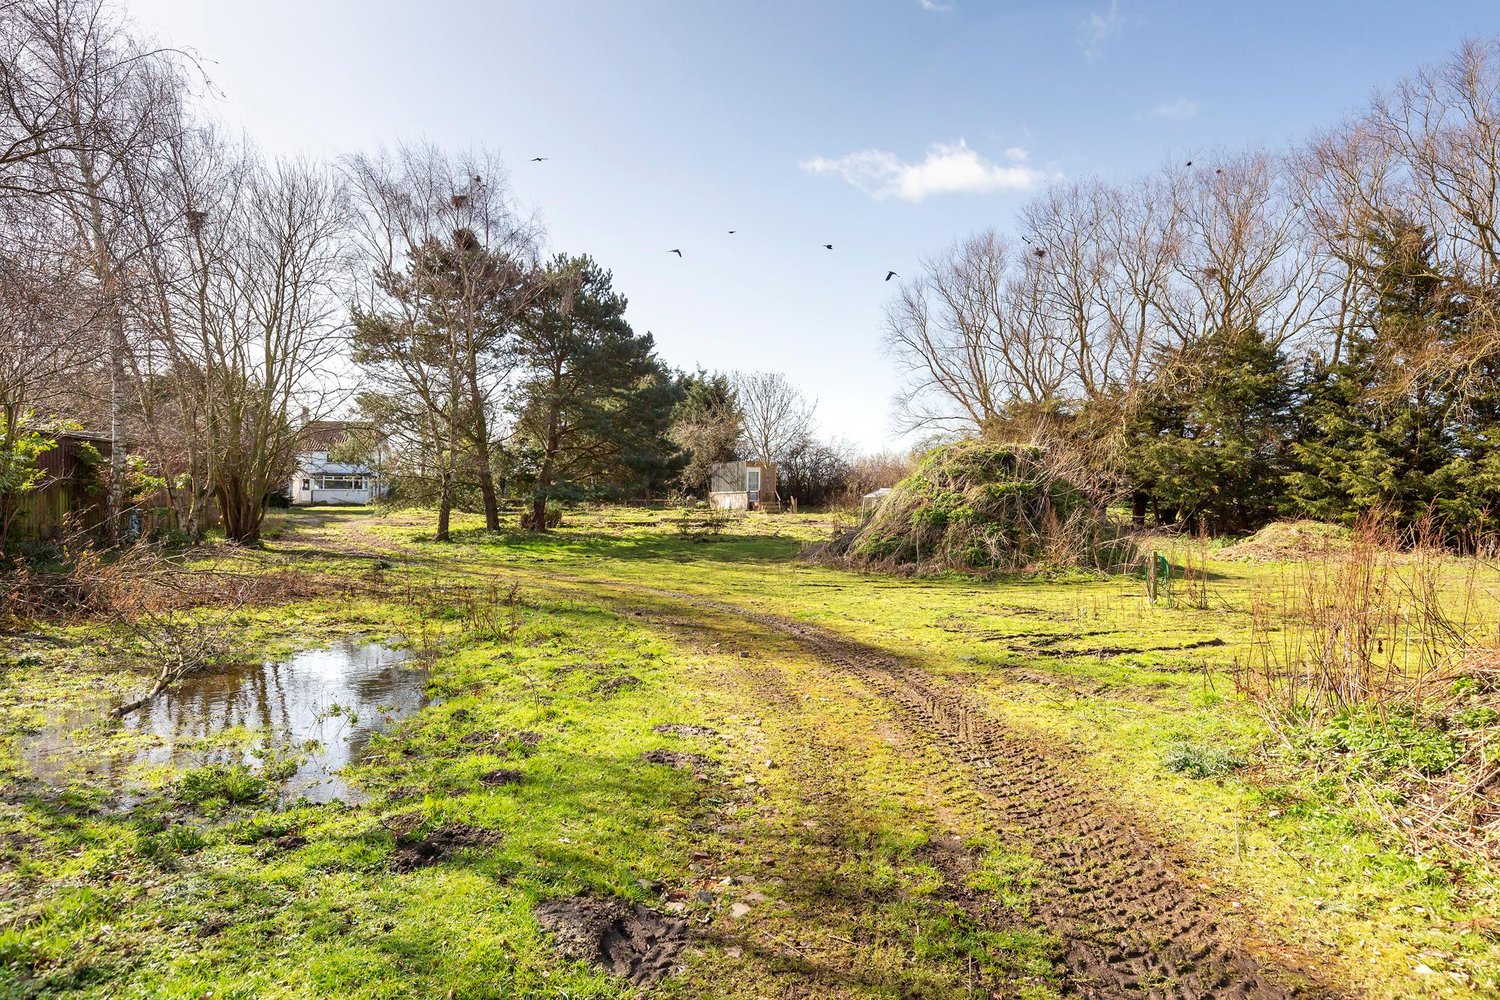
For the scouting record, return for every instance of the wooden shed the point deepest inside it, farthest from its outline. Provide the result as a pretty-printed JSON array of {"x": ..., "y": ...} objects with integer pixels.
[
  {"x": 71, "y": 494},
  {"x": 743, "y": 486}
]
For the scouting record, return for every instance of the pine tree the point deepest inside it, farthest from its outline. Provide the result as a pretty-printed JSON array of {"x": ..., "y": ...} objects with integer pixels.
[
  {"x": 593, "y": 398},
  {"x": 1378, "y": 437},
  {"x": 1208, "y": 445}
]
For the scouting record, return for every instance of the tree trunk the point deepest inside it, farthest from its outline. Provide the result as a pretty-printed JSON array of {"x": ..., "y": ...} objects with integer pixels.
[
  {"x": 104, "y": 273},
  {"x": 545, "y": 474},
  {"x": 242, "y": 513},
  {"x": 445, "y": 505},
  {"x": 539, "y": 498},
  {"x": 480, "y": 432},
  {"x": 539, "y": 511},
  {"x": 487, "y": 491}
]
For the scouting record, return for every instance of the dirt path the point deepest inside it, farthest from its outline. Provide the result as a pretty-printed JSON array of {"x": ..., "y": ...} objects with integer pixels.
[{"x": 1130, "y": 923}]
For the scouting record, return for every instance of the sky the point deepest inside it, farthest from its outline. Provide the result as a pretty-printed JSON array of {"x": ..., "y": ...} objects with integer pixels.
[{"x": 888, "y": 128}]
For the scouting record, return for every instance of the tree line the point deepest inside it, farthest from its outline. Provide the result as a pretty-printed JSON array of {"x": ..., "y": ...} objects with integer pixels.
[
  {"x": 167, "y": 282},
  {"x": 1249, "y": 335}
]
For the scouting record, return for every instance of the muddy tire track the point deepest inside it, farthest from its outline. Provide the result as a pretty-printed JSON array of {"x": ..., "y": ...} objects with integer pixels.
[
  {"x": 945, "y": 852},
  {"x": 1130, "y": 923}
]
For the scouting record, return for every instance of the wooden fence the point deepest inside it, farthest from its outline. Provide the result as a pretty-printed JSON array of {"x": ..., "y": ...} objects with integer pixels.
[{"x": 71, "y": 496}]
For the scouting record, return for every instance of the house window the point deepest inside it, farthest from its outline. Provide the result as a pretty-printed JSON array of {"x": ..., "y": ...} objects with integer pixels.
[
  {"x": 306, "y": 485},
  {"x": 341, "y": 482},
  {"x": 752, "y": 484}
]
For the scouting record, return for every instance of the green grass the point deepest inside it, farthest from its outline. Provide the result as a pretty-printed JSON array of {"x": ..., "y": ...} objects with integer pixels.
[
  {"x": 818, "y": 820},
  {"x": 209, "y": 888}
]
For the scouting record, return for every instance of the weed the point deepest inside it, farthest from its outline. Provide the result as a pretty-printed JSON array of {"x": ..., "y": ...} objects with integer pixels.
[
  {"x": 1389, "y": 746},
  {"x": 211, "y": 786},
  {"x": 1197, "y": 761}
]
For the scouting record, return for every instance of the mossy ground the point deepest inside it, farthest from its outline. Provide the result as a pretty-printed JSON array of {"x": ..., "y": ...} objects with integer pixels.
[{"x": 812, "y": 819}]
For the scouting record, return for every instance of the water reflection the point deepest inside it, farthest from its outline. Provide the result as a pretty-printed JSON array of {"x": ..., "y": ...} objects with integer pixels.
[{"x": 322, "y": 706}]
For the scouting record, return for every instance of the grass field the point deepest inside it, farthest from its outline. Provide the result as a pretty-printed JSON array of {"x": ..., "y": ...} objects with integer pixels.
[{"x": 852, "y": 785}]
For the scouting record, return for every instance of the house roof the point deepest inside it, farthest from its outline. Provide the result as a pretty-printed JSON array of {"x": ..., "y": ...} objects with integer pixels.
[{"x": 320, "y": 435}]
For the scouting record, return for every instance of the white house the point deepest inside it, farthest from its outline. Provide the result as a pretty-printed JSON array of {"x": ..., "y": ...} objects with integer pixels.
[{"x": 318, "y": 480}]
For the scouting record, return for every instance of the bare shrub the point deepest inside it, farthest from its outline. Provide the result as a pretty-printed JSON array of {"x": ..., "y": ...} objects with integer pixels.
[
  {"x": 1380, "y": 665},
  {"x": 450, "y": 614},
  {"x": 1376, "y": 626}
]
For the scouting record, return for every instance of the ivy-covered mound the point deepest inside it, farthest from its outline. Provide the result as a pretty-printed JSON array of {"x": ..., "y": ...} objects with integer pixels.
[{"x": 981, "y": 506}]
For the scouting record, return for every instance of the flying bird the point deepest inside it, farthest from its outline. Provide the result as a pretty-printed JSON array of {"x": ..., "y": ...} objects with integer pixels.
[
  {"x": 891, "y": 274},
  {"x": 1190, "y": 163},
  {"x": 731, "y": 232},
  {"x": 677, "y": 252},
  {"x": 827, "y": 246},
  {"x": 1026, "y": 240},
  {"x": 539, "y": 159}
]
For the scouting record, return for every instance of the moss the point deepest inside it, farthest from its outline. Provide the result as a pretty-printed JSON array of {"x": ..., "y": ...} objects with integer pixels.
[{"x": 832, "y": 835}]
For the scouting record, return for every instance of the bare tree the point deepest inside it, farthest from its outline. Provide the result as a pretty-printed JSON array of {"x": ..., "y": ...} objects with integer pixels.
[
  {"x": 45, "y": 349},
  {"x": 66, "y": 68},
  {"x": 1245, "y": 261},
  {"x": 45, "y": 315},
  {"x": 1069, "y": 262},
  {"x": 1423, "y": 157},
  {"x": 84, "y": 98},
  {"x": 974, "y": 337},
  {"x": 280, "y": 304},
  {"x": 452, "y": 268},
  {"x": 1343, "y": 178},
  {"x": 776, "y": 417},
  {"x": 187, "y": 207},
  {"x": 1141, "y": 229}
]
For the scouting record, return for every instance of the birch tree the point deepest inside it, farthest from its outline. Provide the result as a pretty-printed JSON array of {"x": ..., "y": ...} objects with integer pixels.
[{"x": 84, "y": 97}]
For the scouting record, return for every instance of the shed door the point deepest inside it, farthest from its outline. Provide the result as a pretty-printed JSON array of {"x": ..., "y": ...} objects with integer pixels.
[{"x": 752, "y": 485}]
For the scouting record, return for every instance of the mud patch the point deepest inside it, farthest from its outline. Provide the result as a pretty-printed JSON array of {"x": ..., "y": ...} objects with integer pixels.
[
  {"x": 633, "y": 942},
  {"x": 1106, "y": 652},
  {"x": 500, "y": 778},
  {"x": 682, "y": 729},
  {"x": 616, "y": 684},
  {"x": 439, "y": 845},
  {"x": 290, "y": 842},
  {"x": 403, "y": 824},
  {"x": 678, "y": 759}
]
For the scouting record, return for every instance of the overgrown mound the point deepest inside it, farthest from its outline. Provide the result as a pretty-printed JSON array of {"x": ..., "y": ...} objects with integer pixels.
[
  {"x": 1291, "y": 541},
  {"x": 980, "y": 506}
]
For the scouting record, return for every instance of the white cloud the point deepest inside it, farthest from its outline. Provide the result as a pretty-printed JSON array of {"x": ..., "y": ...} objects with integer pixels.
[
  {"x": 933, "y": 5},
  {"x": 1099, "y": 28},
  {"x": 950, "y": 168},
  {"x": 1179, "y": 110}
]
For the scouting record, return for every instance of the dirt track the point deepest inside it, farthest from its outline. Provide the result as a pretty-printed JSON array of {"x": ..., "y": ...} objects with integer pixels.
[{"x": 1130, "y": 923}]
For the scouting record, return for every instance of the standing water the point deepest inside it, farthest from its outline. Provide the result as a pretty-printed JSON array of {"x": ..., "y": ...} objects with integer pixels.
[{"x": 318, "y": 708}]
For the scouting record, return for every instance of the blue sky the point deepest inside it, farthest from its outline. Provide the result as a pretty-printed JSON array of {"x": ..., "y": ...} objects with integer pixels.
[{"x": 888, "y": 128}]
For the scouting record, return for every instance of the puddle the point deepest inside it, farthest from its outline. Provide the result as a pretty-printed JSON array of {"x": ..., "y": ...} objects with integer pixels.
[{"x": 321, "y": 705}]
